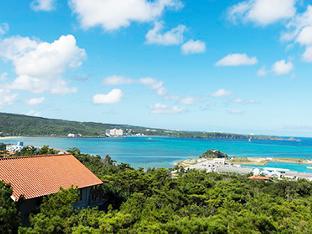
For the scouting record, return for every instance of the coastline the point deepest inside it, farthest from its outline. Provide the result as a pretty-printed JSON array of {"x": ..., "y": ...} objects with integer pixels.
[
  {"x": 244, "y": 138},
  {"x": 161, "y": 151},
  {"x": 262, "y": 161},
  {"x": 243, "y": 161},
  {"x": 10, "y": 137}
]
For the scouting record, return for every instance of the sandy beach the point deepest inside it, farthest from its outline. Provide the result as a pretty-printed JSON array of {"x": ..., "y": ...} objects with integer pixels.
[
  {"x": 264, "y": 160},
  {"x": 9, "y": 137}
]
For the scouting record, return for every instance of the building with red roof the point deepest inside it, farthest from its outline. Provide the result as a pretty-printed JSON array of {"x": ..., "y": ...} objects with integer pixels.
[{"x": 32, "y": 178}]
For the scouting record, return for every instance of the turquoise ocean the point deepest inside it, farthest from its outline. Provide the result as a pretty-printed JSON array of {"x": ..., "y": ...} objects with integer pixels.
[{"x": 149, "y": 152}]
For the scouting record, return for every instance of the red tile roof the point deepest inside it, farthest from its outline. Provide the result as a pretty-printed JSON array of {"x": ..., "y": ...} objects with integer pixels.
[
  {"x": 259, "y": 177},
  {"x": 42, "y": 175}
]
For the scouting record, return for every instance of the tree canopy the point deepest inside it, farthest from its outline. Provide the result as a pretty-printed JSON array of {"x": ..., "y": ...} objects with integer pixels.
[
  {"x": 9, "y": 218},
  {"x": 153, "y": 201}
]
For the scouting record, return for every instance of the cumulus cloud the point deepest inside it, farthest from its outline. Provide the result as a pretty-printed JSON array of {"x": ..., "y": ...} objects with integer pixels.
[
  {"x": 6, "y": 97},
  {"x": 114, "y": 96},
  {"x": 156, "y": 85},
  {"x": 172, "y": 37},
  {"x": 35, "y": 101},
  {"x": 262, "y": 12},
  {"x": 4, "y": 28},
  {"x": 159, "y": 108},
  {"x": 117, "y": 80},
  {"x": 221, "y": 93},
  {"x": 193, "y": 47},
  {"x": 115, "y": 14},
  {"x": 298, "y": 27},
  {"x": 299, "y": 30},
  {"x": 43, "y": 5},
  {"x": 282, "y": 67},
  {"x": 39, "y": 66},
  {"x": 237, "y": 60},
  {"x": 305, "y": 36}
]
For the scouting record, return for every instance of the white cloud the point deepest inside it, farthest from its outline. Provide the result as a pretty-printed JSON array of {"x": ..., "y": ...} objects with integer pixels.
[
  {"x": 262, "y": 72},
  {"x": 149, "y": 82},
  {"x": 114, "y": 96},
  {"x": 237, "y": 60},
  {"x": 187, "y": 100},
  {"x": 33, "y": 113},
  {"x": 282, "y": 67},
  {"x": 114, "y": 14},
  {"x": 39, "y": 66},
  {"x": 305, "y": 36},
  {"x": 43, "y": 5},
  {"x": 117, "y": 80},
  {"x": 262, "y": 12},
  {"x": 172, "y": 37},
  {"x": 159, "y": 108},
  {"x": 193, "y": 47},
  {"x": 156, "y": 85},
  {"x": 4, "y": 28},
  {"x": 244, "y": 101},
  {"x": 298, "y": 27},
  {"x": 221, "y": 93},
  {"x": 307, "y": 55},
  {"x": 299, "y": 30},
  {"x": 35, "y": 101},
  {"x": 6, "y": 97}
]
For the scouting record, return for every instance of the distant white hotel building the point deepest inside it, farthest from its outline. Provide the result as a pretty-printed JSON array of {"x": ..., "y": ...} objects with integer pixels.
[
  {"x": 72, "y": 135},
  {"x": 114, "y": 132}
]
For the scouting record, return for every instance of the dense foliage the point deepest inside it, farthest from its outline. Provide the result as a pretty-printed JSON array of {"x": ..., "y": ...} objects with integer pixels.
[
  {"x": 8, "y": 212},
  {"x": 153, "y": 201},
  {"x": 31, "y": 150},
  {"x": 22, "y": 125},
  {"x": 2, "y": 146},
  {"x": 214, "y": 154}
]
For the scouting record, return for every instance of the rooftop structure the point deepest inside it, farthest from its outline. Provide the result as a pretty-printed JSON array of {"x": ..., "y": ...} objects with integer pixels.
[
  {"x": 261, "y": 178},
  {"x": 37, "y": 176}
]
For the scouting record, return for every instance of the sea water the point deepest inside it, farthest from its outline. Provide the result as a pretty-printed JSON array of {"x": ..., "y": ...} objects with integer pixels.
[{"x": 148, "y": 152}]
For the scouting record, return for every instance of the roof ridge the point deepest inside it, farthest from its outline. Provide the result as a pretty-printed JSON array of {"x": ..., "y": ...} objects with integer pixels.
[{"x": 35, "y": 156}]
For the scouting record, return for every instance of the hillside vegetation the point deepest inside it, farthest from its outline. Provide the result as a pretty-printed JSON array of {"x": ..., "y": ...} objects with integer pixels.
[
  {"x": 152, "y": 201},
  {"x": 23, "y": 125}
]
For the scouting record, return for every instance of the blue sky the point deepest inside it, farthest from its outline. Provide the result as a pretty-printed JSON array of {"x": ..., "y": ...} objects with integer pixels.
[{"x": 234, "y": 66}]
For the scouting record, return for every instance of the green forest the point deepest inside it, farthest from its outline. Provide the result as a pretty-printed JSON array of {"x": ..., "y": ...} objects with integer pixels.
[
  {"x": 153, "y": 201},
  {"x": 23, "y": 125}
]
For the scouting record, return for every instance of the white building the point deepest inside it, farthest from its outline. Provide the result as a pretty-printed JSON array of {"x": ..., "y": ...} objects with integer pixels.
[
  {"x": 114, "y": 132},
  {"x": 274, "y": 172},
  {"x": 72, "y": 135},
  {"x": 15, "y": 148}
]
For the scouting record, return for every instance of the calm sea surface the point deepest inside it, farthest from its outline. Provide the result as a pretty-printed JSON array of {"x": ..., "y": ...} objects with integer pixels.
[{"x": 164, "y": 152}]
